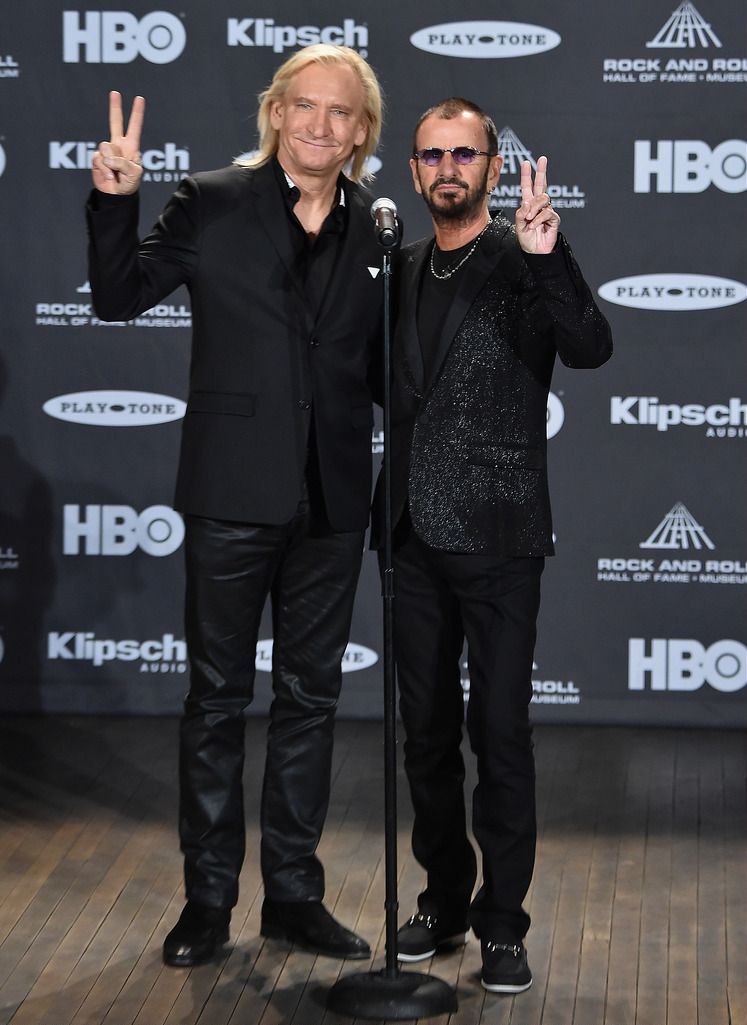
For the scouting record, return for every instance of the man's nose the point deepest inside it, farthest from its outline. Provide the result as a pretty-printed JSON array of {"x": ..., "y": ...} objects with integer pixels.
[{"x": 320, "y": 122}]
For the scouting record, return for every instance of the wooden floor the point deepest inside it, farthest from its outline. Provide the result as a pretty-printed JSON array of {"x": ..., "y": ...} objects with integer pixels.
[{"x": 638, "y": 903}]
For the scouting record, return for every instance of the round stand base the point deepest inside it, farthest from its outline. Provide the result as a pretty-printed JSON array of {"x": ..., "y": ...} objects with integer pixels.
[{"x": 399, "y": 997}]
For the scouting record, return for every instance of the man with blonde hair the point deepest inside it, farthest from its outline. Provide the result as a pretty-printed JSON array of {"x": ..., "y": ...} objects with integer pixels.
[{"x": 275, "y": 466}]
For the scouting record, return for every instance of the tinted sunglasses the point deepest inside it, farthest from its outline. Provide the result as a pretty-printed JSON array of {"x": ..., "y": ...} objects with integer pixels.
[{"x": 433, "y": 156}]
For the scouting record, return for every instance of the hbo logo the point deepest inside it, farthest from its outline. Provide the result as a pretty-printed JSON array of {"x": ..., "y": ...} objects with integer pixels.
[
  {"x": 119, "y": 530},
  {"x": 683, "y": 665},
  {"x": 690, "y": 165},
  {"x": 118, "y": 37}
]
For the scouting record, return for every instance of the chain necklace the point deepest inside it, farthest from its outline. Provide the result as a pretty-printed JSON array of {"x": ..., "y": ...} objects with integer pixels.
[{"x": 449, "y": 273}]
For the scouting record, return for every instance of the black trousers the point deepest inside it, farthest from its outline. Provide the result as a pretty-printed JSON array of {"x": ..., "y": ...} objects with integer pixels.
[
  {"x": 441, "y": 598},
  {"x": 311, "y": 575}
]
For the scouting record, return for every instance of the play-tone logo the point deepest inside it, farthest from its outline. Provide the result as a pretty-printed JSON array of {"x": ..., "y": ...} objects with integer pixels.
[
  {"x": 686, "y": 665},
  {"x": 115, "y": 408},
  {"x": 685, "y": 29},
  {"x": 356, "y": 657},
  {"x": 121, "y": 530},
  {"x": 507, "y": 194},
  {"x": 263, "y": 32},
  {"x": 674, "y": 292},
  {"x": 118, "y": 37},
  {"x": 555, "y": 415},
  {"x": 689, "y": 166},
  {"x": 485, "y": 39},
  {"x": 678, "y": 531}
]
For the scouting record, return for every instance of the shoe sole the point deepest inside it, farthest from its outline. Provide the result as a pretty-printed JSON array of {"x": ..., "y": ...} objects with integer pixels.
[
  {"x": 174, "y": 961},
  {"x": 450, "y": 943},
  {"x": 274, "y": 932},
  {"x": 507, "y": 987}
]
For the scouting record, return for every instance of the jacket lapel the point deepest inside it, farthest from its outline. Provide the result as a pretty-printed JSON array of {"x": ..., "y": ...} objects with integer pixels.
[
  {"x": 273, "y": 216},
  {"x": 356, "y": 243},
  {"x": 478, "y": 269},
  {"x": 411, "y": 268}
]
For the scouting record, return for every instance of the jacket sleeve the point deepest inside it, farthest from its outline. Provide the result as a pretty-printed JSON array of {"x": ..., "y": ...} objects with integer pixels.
[
  {"x": 128, "y": 276},
  {"x": 582, "y": 336}
]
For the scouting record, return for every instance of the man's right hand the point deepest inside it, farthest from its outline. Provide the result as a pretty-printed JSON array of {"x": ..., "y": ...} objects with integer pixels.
[{"x": 116, "y": 165}]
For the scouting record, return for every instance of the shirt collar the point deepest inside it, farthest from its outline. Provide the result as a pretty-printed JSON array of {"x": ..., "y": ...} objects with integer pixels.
[{"x": 292, "y": 185}]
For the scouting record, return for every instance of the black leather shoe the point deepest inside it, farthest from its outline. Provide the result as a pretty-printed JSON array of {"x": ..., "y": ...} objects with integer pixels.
[
  {"x": 196, "y": 935},
  {"x": 308, "y": 925},
  {"x": 422, "y": 935},
  {"x": 504, "y": 967}
]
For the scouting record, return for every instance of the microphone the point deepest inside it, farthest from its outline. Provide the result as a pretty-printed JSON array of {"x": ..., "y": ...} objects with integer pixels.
[{"x": 384, "y": 213}]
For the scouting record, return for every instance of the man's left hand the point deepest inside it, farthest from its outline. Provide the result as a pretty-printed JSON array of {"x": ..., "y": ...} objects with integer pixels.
[{"x": 536, "y": 221}]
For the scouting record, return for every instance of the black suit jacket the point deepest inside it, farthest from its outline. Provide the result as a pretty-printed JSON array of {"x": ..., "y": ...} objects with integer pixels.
[
  {"x": 468, "y": 447},
  {"x": 261, "y": 364}
]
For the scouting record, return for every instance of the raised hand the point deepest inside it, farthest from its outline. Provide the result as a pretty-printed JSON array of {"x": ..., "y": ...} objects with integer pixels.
[
  {"x": 116, "y": 165},
  {"x": 536, "y": 221}
]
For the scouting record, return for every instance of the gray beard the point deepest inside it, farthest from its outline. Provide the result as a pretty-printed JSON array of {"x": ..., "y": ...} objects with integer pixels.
[{"x": 460, "y": 214}]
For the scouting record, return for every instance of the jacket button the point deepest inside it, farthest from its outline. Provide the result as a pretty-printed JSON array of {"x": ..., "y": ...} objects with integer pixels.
[
  {"x": 314, "y": 343},
  {"x": 303, "y": 404}
]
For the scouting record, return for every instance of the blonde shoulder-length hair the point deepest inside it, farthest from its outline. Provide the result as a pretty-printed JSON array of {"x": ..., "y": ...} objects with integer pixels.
[{"x": 321, "y": 53}]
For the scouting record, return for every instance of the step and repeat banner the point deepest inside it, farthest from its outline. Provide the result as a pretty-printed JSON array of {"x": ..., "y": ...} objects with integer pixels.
[{"x": 640, "y": 108}]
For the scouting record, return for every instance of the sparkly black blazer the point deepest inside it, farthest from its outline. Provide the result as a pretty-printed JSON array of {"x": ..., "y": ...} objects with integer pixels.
[{"x": 468, "y": 447}]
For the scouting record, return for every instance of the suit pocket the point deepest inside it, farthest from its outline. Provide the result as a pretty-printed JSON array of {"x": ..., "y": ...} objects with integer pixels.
[
  {"x": 520, "y": 456},
  {"x": 228, "y": 403}
]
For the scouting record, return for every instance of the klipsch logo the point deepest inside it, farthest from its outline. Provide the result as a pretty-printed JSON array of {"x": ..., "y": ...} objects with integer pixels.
[
  {"x": 721, "y": 419},
  {"x": 356, "y": 657},
  {"x": 689, "y": 166},
  {"x": 168, "y": 164},
  {"x": 487, "y": 39},
  {"x": 684, "y": 30},
  {"x": 165, "y": 655},
  {"x": 686, "y": 665},
  {"x": 677, "y": 553},
  {"x": 115, "y": 408},
  {"x": 118, "y": 37},
  {"x": 263, "y": 32},
  {"x": 674, "y": 292},
  {"x": 508, "y": 193}
]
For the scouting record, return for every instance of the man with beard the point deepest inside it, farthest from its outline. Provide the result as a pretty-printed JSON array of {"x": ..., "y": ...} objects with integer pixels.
[{"x": 483, "y": 310}]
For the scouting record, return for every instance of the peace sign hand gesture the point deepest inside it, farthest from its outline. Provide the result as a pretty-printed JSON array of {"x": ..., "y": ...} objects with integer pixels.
[
  {"x": 116, "y": 165},
  {"x": 536, "y": 221}
]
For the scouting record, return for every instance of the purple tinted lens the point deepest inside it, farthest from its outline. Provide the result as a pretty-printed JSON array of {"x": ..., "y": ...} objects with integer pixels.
[
  {"x": 431, "y": 157},
  {"x": 463, "y": 155}
]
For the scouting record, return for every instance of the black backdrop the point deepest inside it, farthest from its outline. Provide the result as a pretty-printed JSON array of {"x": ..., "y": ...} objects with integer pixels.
[{"x": 641, "y": 110}]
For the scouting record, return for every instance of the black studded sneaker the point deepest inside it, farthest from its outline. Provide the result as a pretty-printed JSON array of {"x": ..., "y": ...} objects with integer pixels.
[
  {"x": 422, "y": 935},
  {"x": 504, "y": 967}
]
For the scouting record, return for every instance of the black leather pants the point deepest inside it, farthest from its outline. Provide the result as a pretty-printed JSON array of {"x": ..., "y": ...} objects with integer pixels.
[{"x": 311, "y": 576}]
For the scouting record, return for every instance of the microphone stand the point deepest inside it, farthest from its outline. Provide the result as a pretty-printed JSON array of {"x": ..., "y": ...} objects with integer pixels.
[{"x": 390, "y": 994}]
